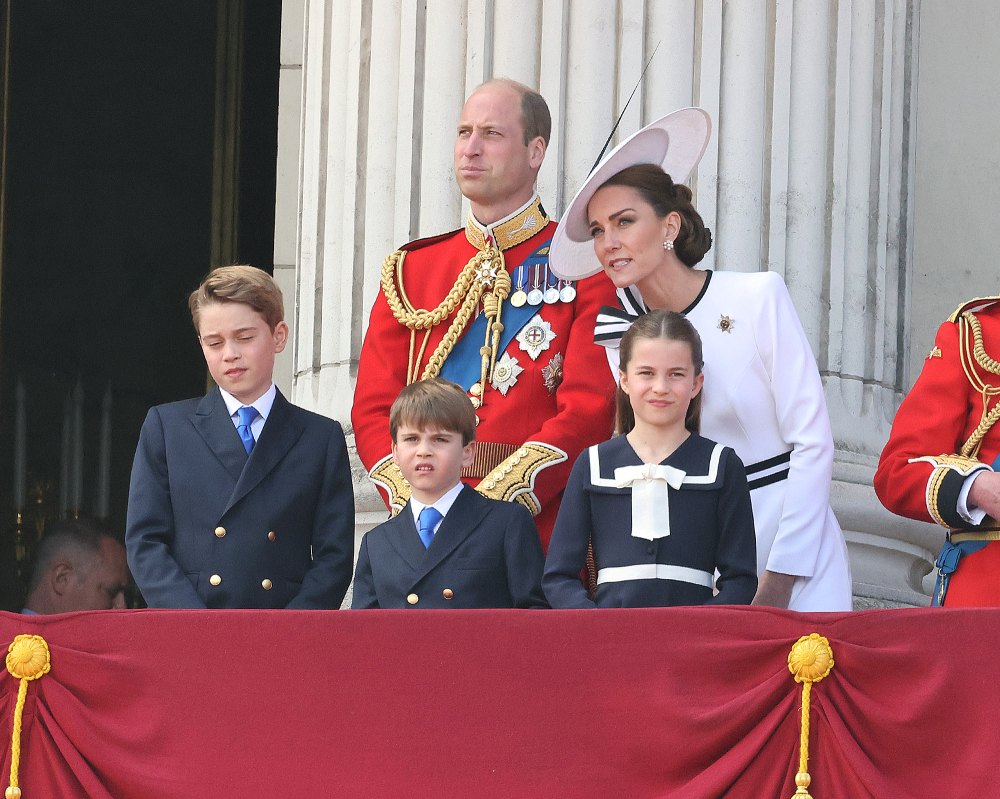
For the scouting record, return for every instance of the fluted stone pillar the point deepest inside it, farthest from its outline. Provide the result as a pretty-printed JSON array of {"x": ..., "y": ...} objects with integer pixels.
[{"x": 808, "y": 174}]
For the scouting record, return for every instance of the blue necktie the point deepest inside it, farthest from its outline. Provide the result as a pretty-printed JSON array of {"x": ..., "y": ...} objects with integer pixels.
[
  {"x": 247, "y": 414},
  {"x": 428, "y": 519}
]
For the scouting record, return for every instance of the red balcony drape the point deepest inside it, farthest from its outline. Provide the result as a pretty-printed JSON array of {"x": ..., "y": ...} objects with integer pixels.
[{"x": 692, "y": 702}]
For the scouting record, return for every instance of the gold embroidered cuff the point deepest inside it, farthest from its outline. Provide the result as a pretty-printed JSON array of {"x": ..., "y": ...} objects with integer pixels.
[
  {"x": 514, "y": 479},
  {"x": 944, "y": 483},
  {"x": 386, "y": 474}
]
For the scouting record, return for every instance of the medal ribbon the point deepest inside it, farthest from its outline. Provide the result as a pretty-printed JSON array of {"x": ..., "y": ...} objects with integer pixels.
[{"x": 464, "y": 361}]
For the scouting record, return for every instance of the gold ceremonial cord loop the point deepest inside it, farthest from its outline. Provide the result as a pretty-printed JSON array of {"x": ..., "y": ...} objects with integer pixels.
[
  {"x": 810, "y": 660},
  {"x": 28, "y": 659},
  {"x": 979, "y": 350},
  {"x": 969, "y": 324},
  {"x": 484, "y": 272}
]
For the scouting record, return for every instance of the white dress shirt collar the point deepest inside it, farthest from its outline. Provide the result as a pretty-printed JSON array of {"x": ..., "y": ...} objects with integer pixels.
[{"x": 443, "y": 504}]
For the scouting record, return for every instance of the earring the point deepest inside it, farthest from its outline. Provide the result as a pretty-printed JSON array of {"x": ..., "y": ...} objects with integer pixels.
[{"x": 668, "y": 245}]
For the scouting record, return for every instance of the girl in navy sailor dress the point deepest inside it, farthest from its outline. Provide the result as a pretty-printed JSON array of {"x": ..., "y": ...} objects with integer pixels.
[{"x": 663, "y": 509}]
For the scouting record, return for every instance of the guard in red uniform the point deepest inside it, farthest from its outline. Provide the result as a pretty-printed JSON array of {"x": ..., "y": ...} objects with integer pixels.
[
  {"x": 941, "y": 461},
  {"x": 479, "y": 306}
]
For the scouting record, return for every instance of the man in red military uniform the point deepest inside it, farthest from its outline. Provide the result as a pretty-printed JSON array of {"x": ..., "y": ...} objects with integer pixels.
[
  {"x": 479, "y": 306},
  {"x": 941, "y": 462}
]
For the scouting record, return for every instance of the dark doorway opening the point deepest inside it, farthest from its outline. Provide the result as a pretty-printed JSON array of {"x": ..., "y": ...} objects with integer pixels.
[{"x": 135, "y": 131}]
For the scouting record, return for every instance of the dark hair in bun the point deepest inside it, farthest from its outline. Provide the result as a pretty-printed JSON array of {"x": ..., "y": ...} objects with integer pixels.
[{"x": 659, "y": 190}]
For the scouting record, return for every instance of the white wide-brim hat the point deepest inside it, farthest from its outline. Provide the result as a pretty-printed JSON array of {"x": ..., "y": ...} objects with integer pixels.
[{"x": 676, "y": 142}]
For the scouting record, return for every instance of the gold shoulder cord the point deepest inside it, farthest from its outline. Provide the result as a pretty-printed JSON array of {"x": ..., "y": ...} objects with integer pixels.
[
  {"x": 968, "y": 323},
  {"x": 484, "y": 278}
]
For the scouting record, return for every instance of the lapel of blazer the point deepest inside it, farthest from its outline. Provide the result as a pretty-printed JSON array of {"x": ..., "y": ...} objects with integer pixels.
[
  {"x": 404, "y": 539},
  {"x": 463, "y": 518},
  {"x": 215, "y": 426},
  {"x": 282, "y": 429}
]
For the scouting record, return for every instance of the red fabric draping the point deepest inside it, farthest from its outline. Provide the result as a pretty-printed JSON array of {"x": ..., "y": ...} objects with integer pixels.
[{"x": 691, "y": 702}]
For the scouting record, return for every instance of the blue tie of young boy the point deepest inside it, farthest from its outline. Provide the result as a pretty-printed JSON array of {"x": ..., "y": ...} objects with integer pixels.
[
  {"x": 246, "y": 416},
  {"x": 426, "y": 522}
]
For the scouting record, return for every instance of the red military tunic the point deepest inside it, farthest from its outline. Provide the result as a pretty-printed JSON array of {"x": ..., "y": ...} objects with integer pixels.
[
  {"x": 550, "y": 395},
  {"x": 942, "y": 433}
]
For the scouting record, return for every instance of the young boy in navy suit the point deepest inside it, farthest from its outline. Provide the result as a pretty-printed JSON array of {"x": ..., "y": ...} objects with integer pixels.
[
  {"x": 450, "y": 547},
  {"x": 240, "y": 499}
]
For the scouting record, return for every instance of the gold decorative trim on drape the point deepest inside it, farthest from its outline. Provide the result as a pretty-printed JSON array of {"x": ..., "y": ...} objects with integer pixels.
[
  {"x": 810, "y": 660},
  {"x": 28, "y": 659}
]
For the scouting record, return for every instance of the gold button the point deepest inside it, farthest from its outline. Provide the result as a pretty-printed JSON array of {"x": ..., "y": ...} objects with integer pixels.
[
  {"x": 220, "y": 532},
  {"x": 271, "y": 535},
  {"x": 413, "y": 599},
  {"x": 266, "y": 584},
  {"x": 476, "y": 389},
  {"x": 215, "y": 579},
  {"x": 448, "y": 593}
]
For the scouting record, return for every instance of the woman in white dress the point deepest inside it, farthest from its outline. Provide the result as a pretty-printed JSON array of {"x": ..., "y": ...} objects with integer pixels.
[{"x": 763, "y": 395}]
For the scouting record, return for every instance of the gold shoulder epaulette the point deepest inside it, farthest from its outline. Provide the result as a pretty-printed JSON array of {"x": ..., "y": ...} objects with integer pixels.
[{"x": 976, "y": 304}]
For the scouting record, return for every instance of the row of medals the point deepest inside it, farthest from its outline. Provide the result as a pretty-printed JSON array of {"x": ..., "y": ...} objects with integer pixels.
[{"x": 561, "y": 291}]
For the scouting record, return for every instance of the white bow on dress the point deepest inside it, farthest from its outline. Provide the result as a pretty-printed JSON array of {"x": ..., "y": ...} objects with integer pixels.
[{"x": 650, "y": 484}]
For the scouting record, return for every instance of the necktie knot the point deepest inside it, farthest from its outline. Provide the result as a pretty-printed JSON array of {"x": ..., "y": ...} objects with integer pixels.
[
  {"x": 426, "y": 522},
  {"x": 246, "y": 416}
]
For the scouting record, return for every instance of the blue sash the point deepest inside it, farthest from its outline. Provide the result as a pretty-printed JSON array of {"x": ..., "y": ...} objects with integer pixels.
[{"x": 464, "y": 363}]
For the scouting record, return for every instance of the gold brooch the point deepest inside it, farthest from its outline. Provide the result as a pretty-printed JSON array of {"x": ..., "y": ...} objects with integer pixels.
[
  {"x": 726, "y": 324},
  {"x": 934, "y": 353}
]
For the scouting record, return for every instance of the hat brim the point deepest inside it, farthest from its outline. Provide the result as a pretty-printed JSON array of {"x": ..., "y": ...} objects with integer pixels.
[{"x": 676, "y": 142}]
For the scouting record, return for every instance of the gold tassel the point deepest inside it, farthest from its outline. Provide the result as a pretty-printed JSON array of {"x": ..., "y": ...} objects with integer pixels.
[
  {"x": 27, "y": 659},
  {"x": 810, "y": 660}
]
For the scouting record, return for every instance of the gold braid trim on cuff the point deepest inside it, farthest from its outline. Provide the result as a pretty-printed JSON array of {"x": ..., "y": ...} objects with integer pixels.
[
  {"x": 28, "y": 658},
  {"x": 386, "y": 474},
  {"x": 810, "y": 660},
  {"x": 514, "y": 479},
  {"x": 943, "y": 464}
]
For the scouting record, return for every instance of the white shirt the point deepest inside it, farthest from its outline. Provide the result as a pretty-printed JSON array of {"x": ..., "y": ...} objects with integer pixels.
[
  {"x": 262, "y": 405},
  {"x": 442, "y": 505}
]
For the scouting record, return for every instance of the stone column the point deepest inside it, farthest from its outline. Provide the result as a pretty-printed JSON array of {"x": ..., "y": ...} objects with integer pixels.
[{"x": 808, "y": 174}]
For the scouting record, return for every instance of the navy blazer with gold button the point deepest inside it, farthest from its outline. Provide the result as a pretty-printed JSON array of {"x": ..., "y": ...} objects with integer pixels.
[
  {"x": 209, "y": 526},
  {"x": 485, "y": 554}
]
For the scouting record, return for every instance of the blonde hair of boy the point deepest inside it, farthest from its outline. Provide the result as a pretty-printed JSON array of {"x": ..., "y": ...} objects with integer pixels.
[{"x": 240, "y": 283}]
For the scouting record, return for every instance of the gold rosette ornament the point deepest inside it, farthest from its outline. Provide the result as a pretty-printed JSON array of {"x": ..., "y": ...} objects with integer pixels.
[
  {"x": 27, "y": 659},
  {"x": 810, "y": 660}
]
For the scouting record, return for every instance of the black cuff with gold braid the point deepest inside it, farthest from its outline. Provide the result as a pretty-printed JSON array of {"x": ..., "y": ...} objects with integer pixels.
[
  {"x": 514, "y": 479},
  {"x": 945, "y": 485}
]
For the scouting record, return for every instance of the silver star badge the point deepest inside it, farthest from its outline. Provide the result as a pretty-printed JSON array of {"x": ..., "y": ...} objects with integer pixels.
[
  {"x": 535, "y": 337},
  {"x": 505, "y": 373}
]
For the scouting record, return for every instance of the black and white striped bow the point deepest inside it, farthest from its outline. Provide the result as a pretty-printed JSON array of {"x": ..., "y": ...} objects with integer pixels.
[{"x": 613, "y": 322}]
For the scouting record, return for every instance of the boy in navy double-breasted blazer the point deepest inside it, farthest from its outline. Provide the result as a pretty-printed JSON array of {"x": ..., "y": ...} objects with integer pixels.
[
  {"x": 240, "y": 499},
  {"x": 450, "y": 547}
]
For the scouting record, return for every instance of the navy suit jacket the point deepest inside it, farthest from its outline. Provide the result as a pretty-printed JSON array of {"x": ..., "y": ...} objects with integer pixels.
[
  {"x": 209, "y": 526},
  {"x": 485, "y": 554}
]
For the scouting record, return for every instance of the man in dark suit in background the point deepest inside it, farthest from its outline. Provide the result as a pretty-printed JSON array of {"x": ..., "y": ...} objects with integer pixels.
[
  {"x": 450, "y": 547},
  {"x": 240, "y": 499}
]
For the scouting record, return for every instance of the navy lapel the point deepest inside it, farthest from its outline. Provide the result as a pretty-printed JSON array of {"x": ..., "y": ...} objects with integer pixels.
[
  {"x": 282, "y": 429},
  {"x": 403, "y": 537},
  {"x": 464, "y": 517},
  {"x": 215, "y": 426}
]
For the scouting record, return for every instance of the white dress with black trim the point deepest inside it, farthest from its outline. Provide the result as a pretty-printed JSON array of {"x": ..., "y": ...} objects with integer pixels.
[
  {"x": 764, "y": 398},
  {"x": 703, "y": 527}
]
